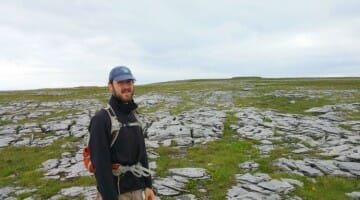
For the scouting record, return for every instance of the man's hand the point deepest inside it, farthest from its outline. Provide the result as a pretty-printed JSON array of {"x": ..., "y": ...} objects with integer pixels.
[{"x": 149, "y": 194}]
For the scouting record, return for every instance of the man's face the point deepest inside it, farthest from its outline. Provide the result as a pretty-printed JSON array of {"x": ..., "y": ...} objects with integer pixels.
[{"x": 123, "y": 90}]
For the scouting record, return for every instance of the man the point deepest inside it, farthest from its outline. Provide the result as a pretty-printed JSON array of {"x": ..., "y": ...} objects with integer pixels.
[{"x": 128, "y": 148}]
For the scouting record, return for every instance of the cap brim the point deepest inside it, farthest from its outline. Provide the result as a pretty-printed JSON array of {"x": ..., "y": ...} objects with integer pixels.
[{"x": 124, "y": 77}]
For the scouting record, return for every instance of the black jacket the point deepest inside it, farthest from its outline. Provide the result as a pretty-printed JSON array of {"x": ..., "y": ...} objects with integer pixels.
[{"x": 128, "y": 149}]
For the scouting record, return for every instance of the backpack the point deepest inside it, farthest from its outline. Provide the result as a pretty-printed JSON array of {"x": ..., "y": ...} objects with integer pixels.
[{"x": 116, "y": 125}]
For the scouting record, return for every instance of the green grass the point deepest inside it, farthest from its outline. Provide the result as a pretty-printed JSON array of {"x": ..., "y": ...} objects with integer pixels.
[
  {"x": 281, "y": 104},
  {"x": 19, "y": 167},
  {"x": 5, "y": 122},
  {"x": 346, "y": 127},
  {"x": 60, "y": 94},
  {"x": 323, "y": 187},
  {"x": 266, "y": 119},
  {"x": 56, "y": 114},
  {"x": 220, "y": 158},
  {"x": 328, "y": 188},
  {"x": 352, "y": 115}
]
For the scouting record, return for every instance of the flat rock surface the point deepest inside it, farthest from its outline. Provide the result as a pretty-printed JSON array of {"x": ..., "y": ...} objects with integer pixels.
[{"x": 326, "y": 134}]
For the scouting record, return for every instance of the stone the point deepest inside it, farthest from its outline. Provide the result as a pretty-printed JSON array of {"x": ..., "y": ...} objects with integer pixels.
[
  {"x": 53, "y": 126},
  {"x": 333, "y": 116},
  {"x": 354, "y": 195},
  {"x": 265, "y": 149},
  {"x": 326, "y": 166},
  {"x": 355, "y": 157},
  {"x": 235, "y": 191},
  {"x": 195, "y": 173},
  {"x": 88, "y": 193},
  {"x": 152, "y": 144},
  {"x": 191, "y": 127},
  {"x": 257, "y": 133},
  {"x": 50, "y": 164},
  {"x": 324, "y": 109},
  {"x": 22, "y": 191},
  {"x": 352, "y": 167},
  {"x": 152, "y": 165},
  {"x": 5, "y": 191},
  {"x": 255, "y": 188},
  {"x": 297, "y": 166},
  {"x": 293, "y": 182},
  {"x": 6, "y": 140},
  {"x": 277, "y": 186},
  {"x": 168, "y": 186},
  {"x": 249, "y": 165},
  {"x": 185, "y": 197},
  {"x": 302, "y": 150},
  {"x": 252, "y": 196},
  {"x": 72, "y": 192},
  {"x": 256, "y": 178}
]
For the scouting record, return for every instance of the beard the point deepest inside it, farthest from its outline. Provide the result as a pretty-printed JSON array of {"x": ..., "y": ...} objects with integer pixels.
[{"x": 124, "y": 95}]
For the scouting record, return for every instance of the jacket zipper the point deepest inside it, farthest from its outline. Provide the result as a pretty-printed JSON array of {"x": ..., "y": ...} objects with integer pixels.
[{"x": 118, "y": 185}]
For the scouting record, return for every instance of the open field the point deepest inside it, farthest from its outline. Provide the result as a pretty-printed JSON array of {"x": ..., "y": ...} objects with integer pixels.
[{"x": 238, "y": 99}]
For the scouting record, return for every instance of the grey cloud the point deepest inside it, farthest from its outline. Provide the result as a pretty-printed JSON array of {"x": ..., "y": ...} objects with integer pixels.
[{"x": 182, "y": 39}]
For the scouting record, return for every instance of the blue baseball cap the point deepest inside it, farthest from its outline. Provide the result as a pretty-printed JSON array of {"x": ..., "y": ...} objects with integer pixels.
[{"x": 120, "y": 73}]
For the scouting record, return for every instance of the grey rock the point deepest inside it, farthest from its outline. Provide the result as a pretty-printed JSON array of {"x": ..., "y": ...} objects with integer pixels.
[
  {"x": 72, "y": 192},
  {"x": 249, "y": 165},
  {"x": 53, "y": 126},
  {"x": 352, "y": 167},
  {"x": 355, "y": 157},
  {"x": 22, "y": 191},
  {"x": 236, "y": 191},
  {"x": 88, "y": 193},
  {"x": 332, "y": 116},
  {"x": 255, "y": 188},
  {"x": 152, "y": 165},
  {"x": 168, "y": 186},
  {"x": 324, "y": 109},
  {"x": 185, "y": 197},
  {"x": 315, "y": 167},
  {"x": 265, "y": 149},
  {"x": 10, "y": 198},
  {"x": 300, "y": 151},
  {"x": 326, "y": 166},
  {"x": 232, "y": 195},
  {"x": 354, "y": 195},
  {"x": 68, "y": 167},
  {"x": 173, "y": 185},
  {"x": 191, "y": 127},
  {"x": 50, "y": 164},
  {"x": 293, "y": 182},
  {"x": 256, "y": 178},
  {"x": 277, "y": 186},
  {"x": 195, "y": 173},
  {"x": 297, "y": 166},
  {"x": 6, "y": 140},
  {"x": 5, "y": 191},
  {"x": 308, "y": 170},
  {"x": 8, "y": 130},
  {"x": 257, "y": 133}
]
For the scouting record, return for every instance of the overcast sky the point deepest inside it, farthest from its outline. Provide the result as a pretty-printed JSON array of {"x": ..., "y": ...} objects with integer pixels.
[{"x": 45, "y": 44}]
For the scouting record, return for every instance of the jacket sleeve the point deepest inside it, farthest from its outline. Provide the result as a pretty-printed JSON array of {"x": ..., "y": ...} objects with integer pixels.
[
  {"x": 145, "y": 163},
  {"x": 100, "y": 155}
]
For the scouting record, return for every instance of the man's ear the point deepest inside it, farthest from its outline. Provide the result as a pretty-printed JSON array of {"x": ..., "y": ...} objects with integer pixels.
[{"x": 110, "y": 86}]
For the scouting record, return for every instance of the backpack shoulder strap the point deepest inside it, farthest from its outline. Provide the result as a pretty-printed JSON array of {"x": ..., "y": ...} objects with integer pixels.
[
  {"x": 137, "y": 122},
  {"x": 115, "y": 124}
]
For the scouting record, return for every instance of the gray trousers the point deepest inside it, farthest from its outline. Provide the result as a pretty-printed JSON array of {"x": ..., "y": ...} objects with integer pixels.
[{"x": 134, "y": 195}]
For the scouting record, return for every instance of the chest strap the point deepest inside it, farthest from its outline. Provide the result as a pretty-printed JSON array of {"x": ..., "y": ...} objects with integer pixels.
[{"x": 137, "y": 170}]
